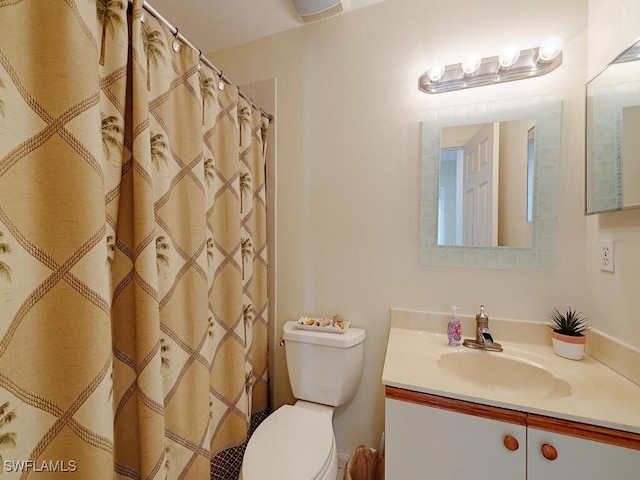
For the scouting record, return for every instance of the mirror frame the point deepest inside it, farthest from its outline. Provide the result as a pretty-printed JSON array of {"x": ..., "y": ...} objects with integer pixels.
[
  {"x": 610, "y": 148},
  {"x": 547, "y": 112}
]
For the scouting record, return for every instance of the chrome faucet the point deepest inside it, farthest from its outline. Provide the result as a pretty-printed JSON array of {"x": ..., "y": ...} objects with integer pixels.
[{"x": 484, "y": 339}]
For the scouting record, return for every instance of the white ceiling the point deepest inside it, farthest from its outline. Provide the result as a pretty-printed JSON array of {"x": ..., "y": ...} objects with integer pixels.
[{"x": 212, "y": 25}]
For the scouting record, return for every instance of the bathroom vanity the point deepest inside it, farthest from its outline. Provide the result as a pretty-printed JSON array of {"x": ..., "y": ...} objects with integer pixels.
[{"x": 523, "y": 413}]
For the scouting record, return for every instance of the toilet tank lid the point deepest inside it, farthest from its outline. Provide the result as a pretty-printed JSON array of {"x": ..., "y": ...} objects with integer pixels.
[{"x": 353, "y": 336}]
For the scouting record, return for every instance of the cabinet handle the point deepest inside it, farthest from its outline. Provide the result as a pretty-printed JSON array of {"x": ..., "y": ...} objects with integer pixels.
[
  {"x": 511, "y": 443},
  {"x": 549, "y": 452}
]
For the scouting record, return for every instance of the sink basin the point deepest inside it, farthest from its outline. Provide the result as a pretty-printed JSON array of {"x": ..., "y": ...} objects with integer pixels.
[{"x": 502, "y": 373}]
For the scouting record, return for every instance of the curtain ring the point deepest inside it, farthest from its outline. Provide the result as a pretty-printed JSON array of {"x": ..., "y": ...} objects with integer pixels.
[
  {"x": 221, "y": 82},
  {"x": 176, "y": 43}
]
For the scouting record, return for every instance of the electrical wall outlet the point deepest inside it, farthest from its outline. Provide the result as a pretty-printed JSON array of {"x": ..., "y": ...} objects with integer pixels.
[{"x": 607, "y": 256}]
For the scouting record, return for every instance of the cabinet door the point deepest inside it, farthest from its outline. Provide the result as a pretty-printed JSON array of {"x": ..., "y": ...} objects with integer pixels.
[
  {"x": 434, "y": 444},
  {"x": 578, "y": 458}
]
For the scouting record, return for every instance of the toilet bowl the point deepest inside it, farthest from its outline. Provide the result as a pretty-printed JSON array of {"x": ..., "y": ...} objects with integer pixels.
[
  {"x": 293, "y": 443},
  {"x": 296, "y": 442}
]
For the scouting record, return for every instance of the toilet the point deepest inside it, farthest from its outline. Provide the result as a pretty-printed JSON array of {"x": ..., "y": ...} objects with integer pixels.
[{"x": 296, "y": 442}]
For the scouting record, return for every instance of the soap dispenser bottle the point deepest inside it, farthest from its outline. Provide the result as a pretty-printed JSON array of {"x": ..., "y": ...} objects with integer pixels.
[{"x": 454, "y": 330}]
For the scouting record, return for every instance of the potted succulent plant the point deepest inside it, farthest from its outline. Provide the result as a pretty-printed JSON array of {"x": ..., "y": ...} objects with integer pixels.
[{"x": 568, "y": 333}]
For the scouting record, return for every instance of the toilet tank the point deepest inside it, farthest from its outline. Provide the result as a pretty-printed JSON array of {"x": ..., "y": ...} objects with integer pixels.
[{"x": 324, "y": 367}]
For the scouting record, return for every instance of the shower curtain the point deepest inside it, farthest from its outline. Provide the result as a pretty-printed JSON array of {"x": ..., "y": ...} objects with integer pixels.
[{"x": 133, "y": 259}]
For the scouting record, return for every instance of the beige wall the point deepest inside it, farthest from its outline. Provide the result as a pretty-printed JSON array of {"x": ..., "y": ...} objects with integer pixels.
[{"x": 348, "y": 153}]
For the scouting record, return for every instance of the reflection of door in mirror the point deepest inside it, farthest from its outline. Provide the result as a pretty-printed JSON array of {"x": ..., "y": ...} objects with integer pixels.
[
  {"x": 486, "y": 186},
  {"x": 481, "y": 168},
  {"x": 631, "y": 155},
  {"x": 466, "y": 186}
]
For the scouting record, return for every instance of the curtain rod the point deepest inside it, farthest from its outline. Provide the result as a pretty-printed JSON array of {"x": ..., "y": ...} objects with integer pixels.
[{"x": 203, "y": 59}]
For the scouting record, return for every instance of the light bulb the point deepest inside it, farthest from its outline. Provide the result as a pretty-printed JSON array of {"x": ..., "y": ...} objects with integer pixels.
[
  {"x": 470, "y": 65},
  {"x": 550, "y": 49},
  {"x": 436, "y": 73},
  {"x": 508, "y": 57}
]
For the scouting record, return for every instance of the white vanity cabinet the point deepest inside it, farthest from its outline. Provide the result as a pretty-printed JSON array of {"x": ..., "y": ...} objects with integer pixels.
[
  {"x": 431, "y": 443},
  {"x": 430, "y": 437},
  {"x": 595, "y": 453}
]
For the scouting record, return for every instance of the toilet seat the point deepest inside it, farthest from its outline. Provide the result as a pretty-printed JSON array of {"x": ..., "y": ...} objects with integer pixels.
[{"x": 293, "y": 443}]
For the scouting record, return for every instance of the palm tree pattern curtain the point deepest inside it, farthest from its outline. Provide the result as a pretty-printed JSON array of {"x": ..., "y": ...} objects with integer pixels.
[{"x": 133, "y": 251}]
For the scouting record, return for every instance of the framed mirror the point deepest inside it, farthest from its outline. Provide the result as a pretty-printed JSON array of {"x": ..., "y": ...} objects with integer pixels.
[
  {"x": 613, "y": 144},
  {"x": 507, "y": 218}
]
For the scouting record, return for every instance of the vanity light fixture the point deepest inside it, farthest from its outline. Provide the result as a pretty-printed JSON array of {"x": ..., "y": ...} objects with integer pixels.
[{"x": 511, "y": 64}]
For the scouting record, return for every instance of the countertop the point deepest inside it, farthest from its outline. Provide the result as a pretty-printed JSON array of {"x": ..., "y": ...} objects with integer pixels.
[{"x": 598, "y": 395}]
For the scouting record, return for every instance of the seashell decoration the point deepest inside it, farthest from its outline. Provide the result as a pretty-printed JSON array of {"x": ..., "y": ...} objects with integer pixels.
[{"x": 334, "y": 322}]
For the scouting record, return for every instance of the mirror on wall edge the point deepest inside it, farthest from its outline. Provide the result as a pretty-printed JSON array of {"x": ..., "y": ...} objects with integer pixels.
[{"x": 613, "y": 144}]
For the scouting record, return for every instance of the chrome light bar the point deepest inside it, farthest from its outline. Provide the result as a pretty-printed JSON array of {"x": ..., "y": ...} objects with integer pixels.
[{"x": 490, "y": 70}]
